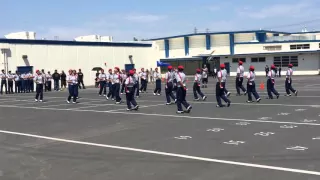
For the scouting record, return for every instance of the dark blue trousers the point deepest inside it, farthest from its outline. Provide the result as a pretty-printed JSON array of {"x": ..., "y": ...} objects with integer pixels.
[
  {"x": 158, "y": 86},
  {"x": 289, "y": 87},
  {"x": 39, "y": 91},
  {"x": 197, "y": 90},
  {"x": 103, "y": 87},
  {"x": 271, "y": 89},
  {"x": 130, "y": 97},
  {"x": 181, "y": 98},
  {"x": 220, "y": 94},
  {"x": 169, "y": 92},
  {"x": 239, "y": 82},
  {"x": 111, "y": 92},
  {"x": 72, "y": 92},
  {"x": 251, "y": 87},
  {"x": 116, "y": 91}
]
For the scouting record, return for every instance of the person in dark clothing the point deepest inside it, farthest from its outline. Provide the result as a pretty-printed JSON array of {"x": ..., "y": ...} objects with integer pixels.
[
  {"x": 80, "y": 79},
  {"x": 267, "y": 70},
  {"x": 279, "y": 71},
  {"x": 63, "y": 78},
  {"x": 56, "y": 79},
  {"x": 96, "y": 80}
]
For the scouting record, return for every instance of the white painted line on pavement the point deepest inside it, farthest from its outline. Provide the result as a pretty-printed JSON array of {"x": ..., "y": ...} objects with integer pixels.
[{"x": 164, "y": 153}]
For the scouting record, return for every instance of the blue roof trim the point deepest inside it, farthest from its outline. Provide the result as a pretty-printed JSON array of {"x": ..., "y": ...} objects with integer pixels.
[
  {"x": 310, "y": 32},
  {"x": 286, "y": 52},
  {"x": 277, "y": 42},
  {"x": 72, "y": 43},
  {"x": 230, "y": 32}
]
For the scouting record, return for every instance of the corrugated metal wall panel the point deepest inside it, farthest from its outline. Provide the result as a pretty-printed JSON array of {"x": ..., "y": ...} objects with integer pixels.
[
  {"x": 197, "y": 41},
  {"x": 160, "y": 44},
  {"x": 244, "y": 37},
  {"x": 176, "y": 43},
  {"x": 220, "y": 40}
]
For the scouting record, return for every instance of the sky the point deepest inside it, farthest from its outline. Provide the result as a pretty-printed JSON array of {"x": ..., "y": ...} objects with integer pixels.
[{"x": 143, "y": 19}]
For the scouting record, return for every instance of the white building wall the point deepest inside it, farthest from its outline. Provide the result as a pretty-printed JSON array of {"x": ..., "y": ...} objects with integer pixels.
[
  {"x": 258, "y": 48},
  {"x": 62, "y": 57},
  {"x": 244, "y": 37},
  {"x": 197, "y": 44},
  {"x": 176, "y": 47},
  {"x": 309, "y": 63},
  {"x": 220, "y": 43}
]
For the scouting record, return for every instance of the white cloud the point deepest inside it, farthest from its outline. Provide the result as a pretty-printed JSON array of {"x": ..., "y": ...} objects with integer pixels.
[
  {"x": 146, "y": 18},
  {"x": 279, "y": 11}
]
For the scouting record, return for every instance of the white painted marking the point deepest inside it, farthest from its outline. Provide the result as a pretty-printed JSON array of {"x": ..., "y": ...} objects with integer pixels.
[
  {"x": 288, "y": 126},
  {"x": 183, "y": 137},
  {"x": 283, "y": 114},
  {"x": 164, "y": 115},
  {"x": 265, "y": 118},
  {"x": 264, "y": 133},
  {"x": 242, "y": 123},
  {"x": 299, "y": 110},
  {"x": 234, "y": 142},
  {"x": 306, "y": 120},
  {"x": 139, "y": 107},
  {"x": 297, "y": 148},
  {"x": 316, "y": 138},
  {"x": 215, "y": 130}
]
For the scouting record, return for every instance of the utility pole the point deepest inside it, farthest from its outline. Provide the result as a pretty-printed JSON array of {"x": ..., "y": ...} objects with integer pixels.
[{"x": 195, "y": 30}]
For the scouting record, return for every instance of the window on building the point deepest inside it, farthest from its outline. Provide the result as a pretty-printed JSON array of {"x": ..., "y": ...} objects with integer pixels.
[
  {"x": 283, "y": 61},
  {"x": 236, "y": 60},
  {"x": 299, "y": 46},
  {"x": 272, "y": 48},
  {"x": 258, "y": 59}
]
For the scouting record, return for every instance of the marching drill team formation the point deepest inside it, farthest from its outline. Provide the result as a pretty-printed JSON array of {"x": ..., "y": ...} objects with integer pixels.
[{"x": 120, "y": 82}]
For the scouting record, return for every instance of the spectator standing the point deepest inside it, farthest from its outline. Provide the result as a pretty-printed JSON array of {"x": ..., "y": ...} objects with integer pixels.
[
  {"x": 63, "y": 78},
  {"x": 56, "y": 78},
  {"x": 80, "y": 79}
]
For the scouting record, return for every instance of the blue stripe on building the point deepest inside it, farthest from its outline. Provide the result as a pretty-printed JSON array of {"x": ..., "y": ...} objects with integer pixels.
[
  {"x": 231, "y": 38},
  {"x": 186, "y": 46},
  {"x": 166, "y": 47},
  {"x": 73, "y": 43},
  {"x": 261, "y": 36},
  {"x": 208, "y": 42}
]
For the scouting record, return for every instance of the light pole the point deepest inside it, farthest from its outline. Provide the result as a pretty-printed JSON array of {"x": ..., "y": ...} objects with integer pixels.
[{"x": 5, "y": 60}]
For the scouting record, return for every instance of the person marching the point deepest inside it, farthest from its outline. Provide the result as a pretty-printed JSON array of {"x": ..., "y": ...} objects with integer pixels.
[
  {"x": 3, "y": 77},
  {"x": 239, "y": 79},
  {"x": 182, "y": 91},
  {"x": 169, "y": 86},
  {"x": 17, "y": 79},
  {"x": 31, "y": 82},
  {"x": 116, "y": 81},
  {"x": 205, "y": 77},
  {"x": 137, "y": 80},
  {"x": 196, "y": 86},
  {"x": 157, "y": 77},
  {"x": 130, "y": 90},
  {"x": 220, "y": 87},
  {"x": 123, "y": 79},
  {"x": 144, "y": 81},
  {"x": 288, "y": 83},
  {"x": 271, "y": 82},
  {"x": 224, "y": 87},
  {"x": 251, "y": 85},
  {"x": 174, "y": 89},
  {"x": 76, "y": 87},
  {"x": 39, "y": 80},
  {"x": 71, "y": 80},
  {"x": 103, "y": 83},
  {"x": 110, "y": 84},
  {"x": 10, "y": 82}
]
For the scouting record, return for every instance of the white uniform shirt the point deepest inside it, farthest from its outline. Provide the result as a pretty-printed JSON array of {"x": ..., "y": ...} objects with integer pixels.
[
  {"x": 129, "y": 82},
  {"x": 143, "y": 75},
  {"x": 271, "y": 74},
  {"x": 30, "y": 76},
  {"x": 181, "y": 77},
  {"x": 157, "y": 75},
  {"x": 110, "y": 77},
  {"x": 205, "y": 73},
  {"x": 38, "y": 79},
  {"x": 197, "y": 78},
  {"x": 123, "y": 77},
  {"x": 3, "y": 76},
  {"x": 169, "y": 76},
  {"x": 71, "y": 78},
  {"x": 116, "y": 78},
  {"x": 48, "y": 77},
  {"x": 10, "y": 77},
  {"x": 240, "y": 71},
  {"x": 17, "y": 77},
  {"x": 289, "y": 73},
  {"x": 102, "y": 77},
  {"x": 223, "y": 75},
  {"x": 136, "y": 77},
  {"x": 251, "y": 76}
]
